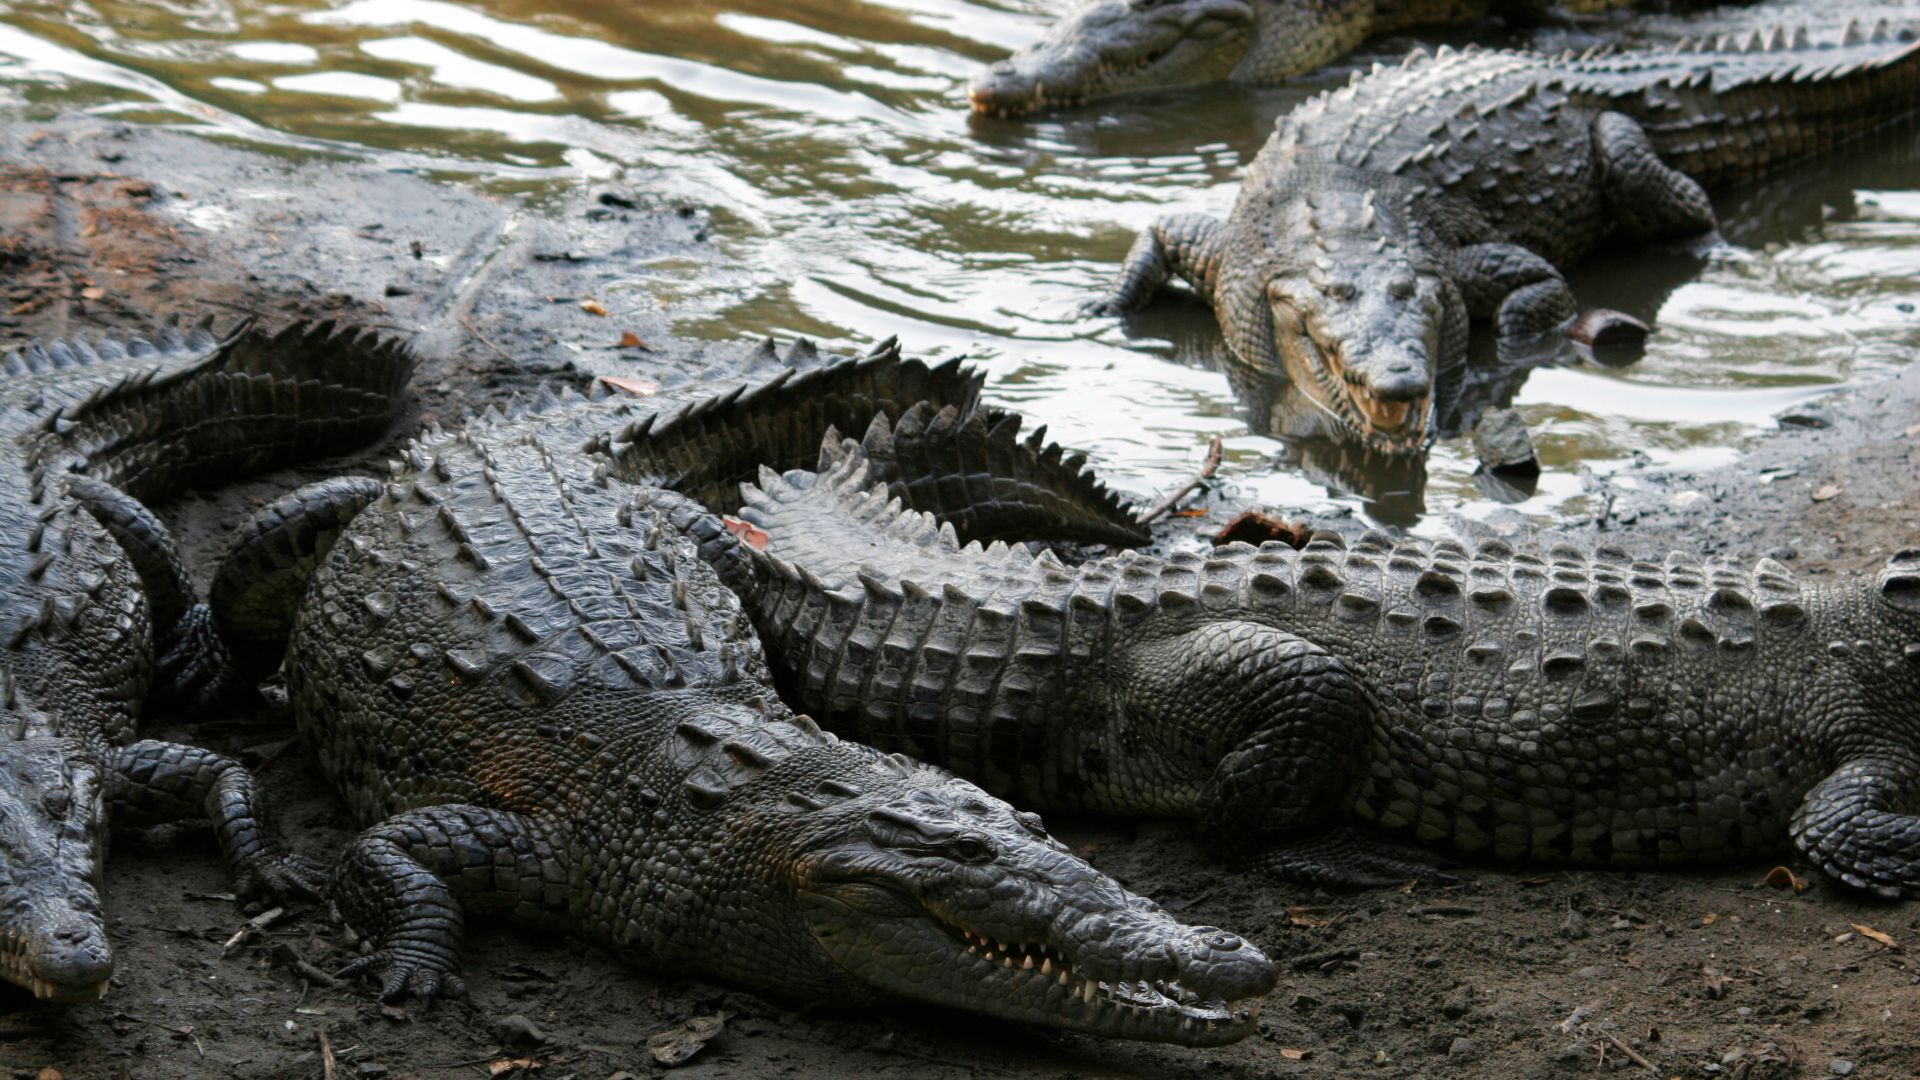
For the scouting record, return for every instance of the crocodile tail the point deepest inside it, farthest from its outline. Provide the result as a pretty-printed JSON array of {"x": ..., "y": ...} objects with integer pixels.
[
  {"x": 706, "y": 449},
  {"x": 974, "y": 471},
  {"x": 247, "y": 402},
  {"x": 1727, "y": 110}
]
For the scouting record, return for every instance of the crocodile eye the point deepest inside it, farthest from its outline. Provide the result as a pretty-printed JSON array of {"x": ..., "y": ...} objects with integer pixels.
[
  {"x": 1402, "y": 287},
  {"x": 1032, "y": 823},
  {"x": 1340, "y": 290},
  {"x": 972, "y": 849},
  {"x": 57, "y": 802}
]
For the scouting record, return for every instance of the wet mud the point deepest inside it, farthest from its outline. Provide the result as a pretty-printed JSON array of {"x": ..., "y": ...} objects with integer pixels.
[{"x": 1507, "y": 973}]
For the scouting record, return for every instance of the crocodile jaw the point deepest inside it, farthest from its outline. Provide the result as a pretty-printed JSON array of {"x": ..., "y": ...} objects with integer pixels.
[
  {"x": 1020, "y": 928},
  {"x": 52, "y": 840},
  {"x": 1109, "y": 47}
]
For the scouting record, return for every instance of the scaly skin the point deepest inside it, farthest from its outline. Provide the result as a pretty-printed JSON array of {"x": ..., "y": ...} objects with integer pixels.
[
  {"x": 1553, "y": 706},
  {"x": 1105, "y": 48},
  {"x": 92, "y": 588},
  {"x": 563, "y": 717},
  {"x": 1381, "y": 217}
]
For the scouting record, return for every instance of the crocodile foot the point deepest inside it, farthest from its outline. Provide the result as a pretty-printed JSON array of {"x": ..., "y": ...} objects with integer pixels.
[
  {"x": 1349, "y": 858},
  {"x": 276, "y": 877},
  {"x": 192, "y": 669},
  {"x": 410, "y": 972}
]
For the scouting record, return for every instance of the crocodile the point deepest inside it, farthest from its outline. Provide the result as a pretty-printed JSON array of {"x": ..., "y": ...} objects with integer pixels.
[
  {"x": 1379, "y": 218},
  {"x": 1329, "y": 713},
  {"x": 544, "y": 705},
  {"x": 99, "y": 610},
  {"x": 1105, "y": 48}
]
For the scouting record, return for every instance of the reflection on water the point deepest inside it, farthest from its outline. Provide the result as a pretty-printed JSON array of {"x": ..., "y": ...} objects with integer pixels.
[{"x": 831, "y": 140}]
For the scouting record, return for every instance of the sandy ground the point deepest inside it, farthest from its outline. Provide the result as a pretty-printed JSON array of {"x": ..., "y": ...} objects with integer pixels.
[{"x": 1509, "y": 973}]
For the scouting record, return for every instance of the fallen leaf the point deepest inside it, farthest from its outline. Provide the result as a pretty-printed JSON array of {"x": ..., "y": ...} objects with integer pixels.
[
  {"x": 1534, "y": 883},
  {"x": 1291, "y": 1054},
  {"x": 50, "y": 1073},
  {"x": 92, "y": 292},
  {"x": 1880, "y": 936},
  {"x": 749, "y": 534},
  {"x": 1709, "y": 918},
  {"x": 1911, "y": 430},
  {"x": 1826, "y": 492},
  {"x": 593, "y": 307},
  {"x": 636, "y": 387},
  {"x": 503, "y": 1066},
  {"x": 1782, "y": 878},
  {"x": 677, "y": 1047},
  {"x": 1299, "y": 916},
  {"x": 394, "y": 1013},
  {"x": 1188, "y": 513},
  {"x": 631, "y": 340}
]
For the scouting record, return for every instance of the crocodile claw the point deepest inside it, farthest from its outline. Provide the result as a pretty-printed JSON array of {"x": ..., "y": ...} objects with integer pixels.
[
  {"x": 192, "y": 670},
  {"x": 278, "y": 877},
  {"x": 410, "y": 973}
]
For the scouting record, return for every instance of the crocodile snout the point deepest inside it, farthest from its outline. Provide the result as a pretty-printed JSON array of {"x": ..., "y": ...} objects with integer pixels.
[
  {"x": 1401, "y": 379},
  {"x": 72, "y": 963}
]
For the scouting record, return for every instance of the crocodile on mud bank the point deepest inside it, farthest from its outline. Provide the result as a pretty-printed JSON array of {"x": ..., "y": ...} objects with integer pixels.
[
  {"x": 1380, "y": 217},
  {"x": 1560, "y": 706},
  {"x": 1105, "y": 48},
  {"x": 99, "y": 609},
  {"x": 546, "y": 706}
]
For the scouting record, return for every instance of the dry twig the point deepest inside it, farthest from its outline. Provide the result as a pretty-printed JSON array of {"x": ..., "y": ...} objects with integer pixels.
[{"x": 1165, "y": 506}]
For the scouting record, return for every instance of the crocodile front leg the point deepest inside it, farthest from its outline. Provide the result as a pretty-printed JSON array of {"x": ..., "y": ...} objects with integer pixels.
[
  {"x": 1648, "y": 198},
  {"x": 1275, "y": 799},
  {"x": 192, "y": 661},
  {"x": 1522, "y": 292},
  {"x": 1858, "y": 826},
  {"x": 1189, "y": 246},
  {"x": 403, "y": 885},
  {"x": 153, "y": 782}
]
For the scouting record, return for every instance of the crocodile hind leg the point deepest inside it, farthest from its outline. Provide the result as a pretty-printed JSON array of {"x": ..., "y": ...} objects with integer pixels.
[
  {"x": 153, "y": 782},
  {"x": 193, "y": 663},
  {"x": 1652, "y": 200},
  {"x": 268, "y": 562},
  {"x": 1279, "y": 799},
  {"x": 1189, "y": 246},
  {"x": 403, "y": 885},
  {"x": 1859, "y": 825}
]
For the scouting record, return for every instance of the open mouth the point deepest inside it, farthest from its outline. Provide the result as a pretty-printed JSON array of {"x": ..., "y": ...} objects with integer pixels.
[
  {"x": 1398, "y": 427},
  {"x": 1136, "y": 1007}
]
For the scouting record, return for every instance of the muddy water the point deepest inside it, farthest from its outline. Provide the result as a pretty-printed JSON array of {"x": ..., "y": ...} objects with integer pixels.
[{"x": 829, "y": 139}]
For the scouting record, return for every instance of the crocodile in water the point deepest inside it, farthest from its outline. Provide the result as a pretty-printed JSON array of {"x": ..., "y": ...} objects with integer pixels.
[{"x": 1381, "y": 216}]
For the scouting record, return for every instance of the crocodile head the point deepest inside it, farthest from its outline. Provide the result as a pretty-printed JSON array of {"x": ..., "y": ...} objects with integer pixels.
[
  {"x": 944, "y": 894},
  {"x": 1360, "y": 326},
  {"x": 53, "y": 939},
  {"x": 1108, "y": 47}
]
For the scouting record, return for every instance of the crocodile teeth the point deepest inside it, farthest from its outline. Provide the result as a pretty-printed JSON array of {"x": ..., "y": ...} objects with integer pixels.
[
  {"x": 1086, "y": 992},
  {"x": 1026, "y": 964},
  {"x": 1046, "y": 966}
]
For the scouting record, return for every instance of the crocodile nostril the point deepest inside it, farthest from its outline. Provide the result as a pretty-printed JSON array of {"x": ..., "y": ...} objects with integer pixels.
[{"x": 1223, "y": 942}]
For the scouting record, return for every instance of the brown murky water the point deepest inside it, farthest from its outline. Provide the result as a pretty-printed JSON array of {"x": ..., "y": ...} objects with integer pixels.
[{"x": 830, "y": 139}]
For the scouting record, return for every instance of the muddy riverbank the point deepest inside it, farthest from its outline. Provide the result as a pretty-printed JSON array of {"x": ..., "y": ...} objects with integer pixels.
[{"x": 1510, "y": 973}]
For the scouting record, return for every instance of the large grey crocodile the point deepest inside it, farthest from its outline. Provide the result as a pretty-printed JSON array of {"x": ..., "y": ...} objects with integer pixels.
[
  {"x": 1104, "y": 48},
  {"x": 1545, "y": 705},
  {"x": 90, "y": 584},
  {"x": 1381, "y": 216},
  {"x": 562, "y": 716}
]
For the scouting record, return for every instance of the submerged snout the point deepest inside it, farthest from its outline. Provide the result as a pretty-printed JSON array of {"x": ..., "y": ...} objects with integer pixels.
[{"x": 1009, "y": 88}]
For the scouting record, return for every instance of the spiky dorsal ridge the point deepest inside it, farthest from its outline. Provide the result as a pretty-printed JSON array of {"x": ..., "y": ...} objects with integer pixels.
[
  {"x": 299, "y": 351},
  {"x": 40, "y": 357}
]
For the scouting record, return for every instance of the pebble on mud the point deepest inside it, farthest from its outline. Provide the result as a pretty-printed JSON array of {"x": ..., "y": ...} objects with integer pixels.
[
  {"x": 1463, "y": 1048},
  {"x": 1841, "y": 1067},
  {"x": 517, "y": 1030},
  {"x": 1457, "y": 1003}
]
